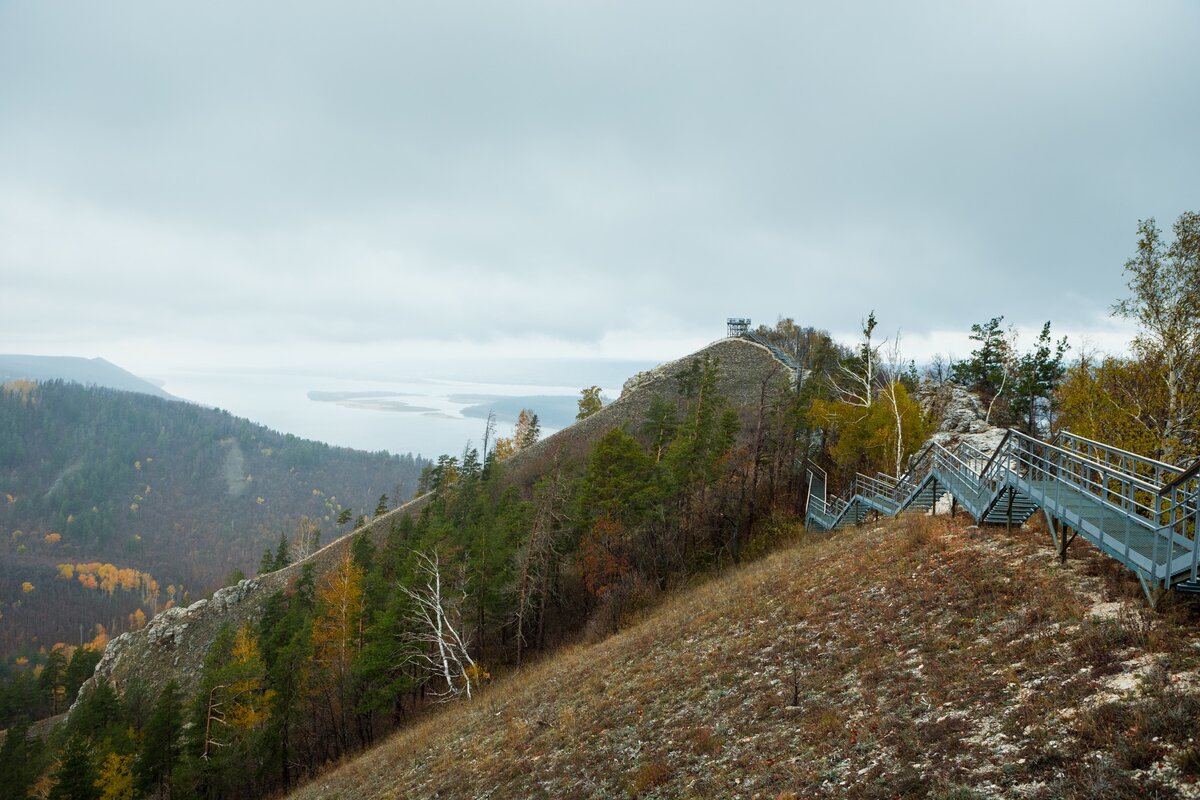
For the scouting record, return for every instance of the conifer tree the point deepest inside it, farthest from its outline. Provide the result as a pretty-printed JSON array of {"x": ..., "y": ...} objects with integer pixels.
[
  {"x": 161, "y": 744},
  {"x": 589, "y": 402},
  {"x": 282, "y": 555},
  {"x": 18, "y": 768},
  {"x": 75, "y": 778}
]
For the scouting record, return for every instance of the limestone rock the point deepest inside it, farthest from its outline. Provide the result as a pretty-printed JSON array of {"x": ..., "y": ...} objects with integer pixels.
[{"x": 960, "y": 417}]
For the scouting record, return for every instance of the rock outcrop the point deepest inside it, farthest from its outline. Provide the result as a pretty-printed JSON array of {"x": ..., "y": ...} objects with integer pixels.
[{"x": 960, "y": 417}]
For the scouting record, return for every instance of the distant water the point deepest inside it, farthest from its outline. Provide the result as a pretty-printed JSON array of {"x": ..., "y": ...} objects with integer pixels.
[{"x": 422, "y": 415}]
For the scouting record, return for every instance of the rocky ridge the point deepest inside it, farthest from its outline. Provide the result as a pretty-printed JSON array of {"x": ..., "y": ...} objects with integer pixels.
[{"x": 175, "y": 642}]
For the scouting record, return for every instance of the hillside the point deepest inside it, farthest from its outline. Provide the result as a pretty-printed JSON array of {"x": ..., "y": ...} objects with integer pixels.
[
  {"x": 84, "y": 371},
  {"x": 115, "y": 504},
  {"x": 747, "y": 377},
  {"x": 954, "y": 662}
]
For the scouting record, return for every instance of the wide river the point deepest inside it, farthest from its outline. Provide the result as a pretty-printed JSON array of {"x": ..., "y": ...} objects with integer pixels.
[{"x": 422, "y": 414}]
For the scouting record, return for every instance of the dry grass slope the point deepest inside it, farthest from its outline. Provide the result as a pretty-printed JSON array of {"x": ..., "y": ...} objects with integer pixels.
[{"x": 953, "y": 663}]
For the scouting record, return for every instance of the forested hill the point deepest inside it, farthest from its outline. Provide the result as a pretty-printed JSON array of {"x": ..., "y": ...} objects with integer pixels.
[
  {"x": 87, "y": 371},
  {"x": 113, "y": 504}
]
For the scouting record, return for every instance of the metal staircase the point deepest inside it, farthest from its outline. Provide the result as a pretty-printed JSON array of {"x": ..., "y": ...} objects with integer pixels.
[
  {"x": 775, "y": 349},
  {"x": 1142, "y": 512}
]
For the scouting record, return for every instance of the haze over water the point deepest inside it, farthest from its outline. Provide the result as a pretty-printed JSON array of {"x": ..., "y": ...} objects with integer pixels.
[{"x": 418, "y": 414}]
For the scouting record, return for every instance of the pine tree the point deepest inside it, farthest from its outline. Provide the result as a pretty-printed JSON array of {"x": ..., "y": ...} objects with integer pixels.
[
  {"x": 161, "y": 746},
  {"x": 1039, "y": 372},
  {"x": 589, "y": 402},
  {"x": 18, "y": 768},
  {"x": 282, "y": 556},
  {"x": 75, "y": 778}
]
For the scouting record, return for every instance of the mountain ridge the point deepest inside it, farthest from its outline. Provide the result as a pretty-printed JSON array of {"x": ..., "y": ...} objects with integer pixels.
[{"x": 87, "y": 371}]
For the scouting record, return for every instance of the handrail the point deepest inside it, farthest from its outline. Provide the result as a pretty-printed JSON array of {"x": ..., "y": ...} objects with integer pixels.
[
  {"x": 1152, "y": 529},
  {"x": 1161, "y": 465},
  {"x": 1192, "y": 472},
  {"x": 1071, "y": 454},
  {"x": 1001, "y": 446}
]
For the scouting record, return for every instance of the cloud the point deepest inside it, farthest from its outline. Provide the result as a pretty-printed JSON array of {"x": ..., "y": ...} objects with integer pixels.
[{"x": 228, "y": 181}]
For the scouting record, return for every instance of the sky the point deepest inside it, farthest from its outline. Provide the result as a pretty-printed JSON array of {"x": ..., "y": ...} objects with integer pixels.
[{"x": 376, "y": 188}]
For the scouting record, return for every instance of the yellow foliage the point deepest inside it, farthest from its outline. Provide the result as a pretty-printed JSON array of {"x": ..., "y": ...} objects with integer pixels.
[
  {"x": 42, "y": 787},
  {"x": 25, "y": 388},
  {"x": 52, "y": 537},
  {"x": 101, "y": 639},
  {"x": 477, "y": 674},
  {"x": 137, "y": 465},
  {"x": 864, "y": 438},
  {"x": 336, "y": 628},
  {"x": 504, "y": 448},
  {"x": 66, "y": 571},
  {"x": 245, "y": 645},
  {"x": 259, "y": 500},
  {"x": 115, "y": 780},
  {"x": 250, "y": 708},
  {"x": 26, "y": 587},
  {"x": 1115, "y": 401}
]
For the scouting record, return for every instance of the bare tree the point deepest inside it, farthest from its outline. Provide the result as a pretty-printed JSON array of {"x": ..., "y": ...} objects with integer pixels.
[
  {"x": 308, "y": 539},
  {"x": 937, "y": 372},
  {"x": 855, "y": 382},
  {"x": 893, "y": 367},
  {"x": 537, "y": 563},
  {"x": 439, "y": 625},
  {"x": 489, "y": 431},
  {"x": 1008, "y": 361}
]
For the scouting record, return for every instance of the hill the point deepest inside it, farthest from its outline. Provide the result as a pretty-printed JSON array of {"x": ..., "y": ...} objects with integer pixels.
[
  {"x": 687, "y": 471},
  {"x": 114, "y": 505},
  {"x": 918, "y": 658},
  {"x": 84, "y": 371},
  {"x": 747, "y": 376}
]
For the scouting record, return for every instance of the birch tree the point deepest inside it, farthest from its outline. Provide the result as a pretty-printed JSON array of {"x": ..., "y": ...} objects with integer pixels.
[
  {"x": 437, "y": 611},
  {"x": 1165, "y": 282}
]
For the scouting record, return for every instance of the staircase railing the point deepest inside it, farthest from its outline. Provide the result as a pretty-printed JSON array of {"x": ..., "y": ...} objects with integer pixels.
[
  {"x": 1180, "y": 503},
  {"x": 775, "y": 349},
  {"x": 1145, "y": 513},
  {"x": 1116, "y": 459}
]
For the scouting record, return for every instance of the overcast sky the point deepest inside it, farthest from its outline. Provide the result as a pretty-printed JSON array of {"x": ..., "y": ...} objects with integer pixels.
[{"x": 225, "y": 184}]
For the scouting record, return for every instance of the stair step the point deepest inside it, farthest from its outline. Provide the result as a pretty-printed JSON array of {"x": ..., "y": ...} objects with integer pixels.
[{"x": 1188, "y": 587}]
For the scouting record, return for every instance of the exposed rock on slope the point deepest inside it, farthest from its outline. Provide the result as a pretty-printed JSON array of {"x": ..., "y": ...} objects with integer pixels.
[
  {"x": 174, "y": 644},
  {"x": 961, "y": 418}
]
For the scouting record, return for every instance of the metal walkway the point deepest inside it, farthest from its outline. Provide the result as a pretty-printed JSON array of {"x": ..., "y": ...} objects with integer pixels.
[{"x": 1142, "y": 512}]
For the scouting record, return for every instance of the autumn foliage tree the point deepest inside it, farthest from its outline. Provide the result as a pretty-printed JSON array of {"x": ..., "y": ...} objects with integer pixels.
[{"x": 1164, "y": 281}]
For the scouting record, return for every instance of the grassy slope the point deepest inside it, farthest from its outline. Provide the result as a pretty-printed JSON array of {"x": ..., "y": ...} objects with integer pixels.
[{"x": 954, "y": 663}]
